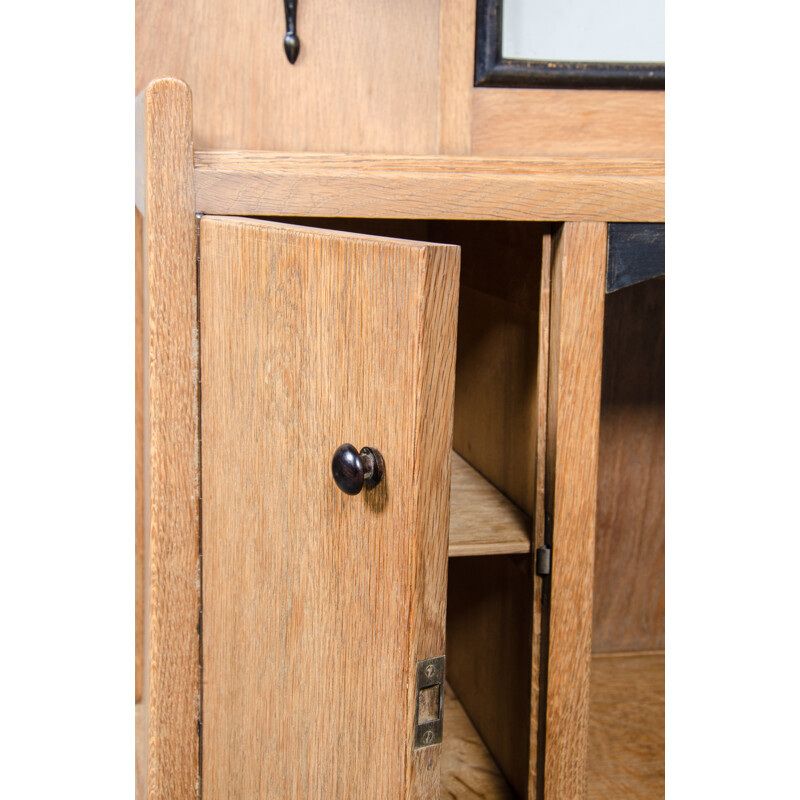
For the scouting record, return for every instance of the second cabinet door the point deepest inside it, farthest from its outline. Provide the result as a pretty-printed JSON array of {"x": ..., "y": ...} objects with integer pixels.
[{"x": 318, "y": 605}]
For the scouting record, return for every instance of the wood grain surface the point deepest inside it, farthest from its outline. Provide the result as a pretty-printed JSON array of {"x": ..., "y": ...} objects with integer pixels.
[
  {"x": 139, "y": 520},
  {"x": 502, "y": 259},
  {"x": 489, "y": 654},
  {"x": 626, "y": 727},
  {"x": 456, "y": 68},
  {"x": 366, "y": 79},
  {"x": 468, "y": 769},
  {"x": 441, "y": 187},
  {"x": 496, "y": 389},
  {"x": 482, "y": 520},
  {"x": 317, "y": 606},
  {"x": 372, "y": 78},
  {"x": 567, "y": 122},
  {"x": 576, "y": 340},
  {"x": 539, "y": 534},
  {"x": 141, "y": 752},
  {"x": 171, "y": 690},
  {"x": 629, "y": 551}
]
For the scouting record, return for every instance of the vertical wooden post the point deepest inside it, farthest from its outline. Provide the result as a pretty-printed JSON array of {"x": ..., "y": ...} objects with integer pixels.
[
  {"x": 170, "y": 440},
  {"x": 538, "y": 531},
  {"x": 576, "y": 349},
  {"x": 140, "y": 516}
]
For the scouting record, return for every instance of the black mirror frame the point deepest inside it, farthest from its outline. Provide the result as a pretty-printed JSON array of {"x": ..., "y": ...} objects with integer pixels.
[{"x": 491, "y": 69}]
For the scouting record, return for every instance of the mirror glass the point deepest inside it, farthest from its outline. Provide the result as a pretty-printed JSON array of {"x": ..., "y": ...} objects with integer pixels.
[{"x": 606, "y": 31}]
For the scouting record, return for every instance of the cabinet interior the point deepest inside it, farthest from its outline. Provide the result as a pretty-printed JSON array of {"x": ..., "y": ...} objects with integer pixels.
[
  {"x": 494, "y": 629},
  {"x": 626, "y": 710}
]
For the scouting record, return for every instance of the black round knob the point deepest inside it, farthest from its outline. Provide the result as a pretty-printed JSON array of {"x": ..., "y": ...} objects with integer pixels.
[{"x": 352, "y": 470}]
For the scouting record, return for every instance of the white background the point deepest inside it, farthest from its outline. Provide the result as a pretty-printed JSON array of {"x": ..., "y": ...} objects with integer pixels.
[{"x": 67, "y": 402}]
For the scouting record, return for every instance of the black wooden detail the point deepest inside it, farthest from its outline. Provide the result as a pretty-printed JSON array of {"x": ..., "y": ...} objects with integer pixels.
[
  {"x": 491, "y": 69},
  {"x": 635, "y": 253}
]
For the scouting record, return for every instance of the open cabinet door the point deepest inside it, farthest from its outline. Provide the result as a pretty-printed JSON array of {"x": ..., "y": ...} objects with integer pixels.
[{"x": 317, "y": 605}]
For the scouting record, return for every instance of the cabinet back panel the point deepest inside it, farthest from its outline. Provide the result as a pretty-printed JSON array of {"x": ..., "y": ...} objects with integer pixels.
[
  {"x": 495, "y": 424},
  {"x": 629, "y": 557},
  {"x": 366, "y": 78}
]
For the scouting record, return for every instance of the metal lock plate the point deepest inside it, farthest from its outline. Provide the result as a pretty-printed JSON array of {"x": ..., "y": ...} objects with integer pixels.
[{"x": 430, "y": 702}]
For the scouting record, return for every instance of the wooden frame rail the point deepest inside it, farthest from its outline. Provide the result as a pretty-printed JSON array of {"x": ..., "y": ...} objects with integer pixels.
[
  {"x": 168, "y": 453},
  {"x": 255, "y": 183}
]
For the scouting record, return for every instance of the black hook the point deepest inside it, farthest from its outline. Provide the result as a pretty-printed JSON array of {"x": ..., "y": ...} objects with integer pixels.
[{"x": 291, "y": 44}]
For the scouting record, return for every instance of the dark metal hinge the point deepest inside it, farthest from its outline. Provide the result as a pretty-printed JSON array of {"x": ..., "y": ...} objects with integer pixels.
[
  {"x": 430, "y": 702},
  {"x": 543, "y": 560}
]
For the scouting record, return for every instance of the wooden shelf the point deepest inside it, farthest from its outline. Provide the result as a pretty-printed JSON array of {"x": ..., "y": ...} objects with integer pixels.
[
  {"x": 468, "y": 770},
  {"x": 626, "y": 727},
  {"x": 483, "y": 521}
]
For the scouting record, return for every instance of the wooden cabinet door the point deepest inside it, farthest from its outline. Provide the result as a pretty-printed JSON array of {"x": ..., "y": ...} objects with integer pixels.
[{"x": 317, "y": 606}]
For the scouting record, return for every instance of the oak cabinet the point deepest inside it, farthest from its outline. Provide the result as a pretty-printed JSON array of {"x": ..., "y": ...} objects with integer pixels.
[{"x": 429, "y": 637}]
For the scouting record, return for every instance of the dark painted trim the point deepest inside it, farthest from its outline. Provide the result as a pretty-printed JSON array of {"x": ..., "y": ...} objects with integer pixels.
[
  {"x": 635, "y": 253},
  {"x": 491, "y": 69}
]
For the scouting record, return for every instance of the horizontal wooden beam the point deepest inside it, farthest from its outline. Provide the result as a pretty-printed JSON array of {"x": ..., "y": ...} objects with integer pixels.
[{"x": 258, "y": 183}]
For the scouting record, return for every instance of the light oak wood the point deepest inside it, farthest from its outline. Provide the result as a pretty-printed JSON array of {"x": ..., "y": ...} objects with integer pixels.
[
  {"x": 537, "y": 745},
  {"x": 482, "y": 520},
  {"x": 318, "y": 606},
  {"x": 468, "y": 769},
  {"x": 171, "y": 466},
  {"x": 495, "y": 427},
  {"x": 626, "y": 727},
  {"x": 537, "y": 122},
  {"x": 489, "y": 654},
  {"x": 567, "y": 122},
  {"x": 372, "y": 78},
  {"x": 629, "y": 551},
  {"x": 141, "y": 752},
  {"x": 496, "y": 380},
  {"x": 495, "y": 417},
  {"x": 456, "y": 68},
  {"x": 433, "y": 445},
  {"x": 366, "y": 79},
  {"x": 626, "y": 737},
  {"x": 576, "y": 340},
  {"x": 139, "y": 520},
  {"x": 445, "y": 187}
]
